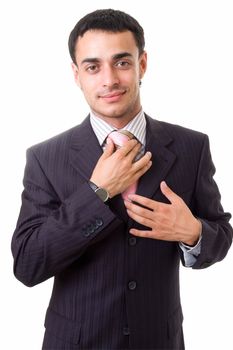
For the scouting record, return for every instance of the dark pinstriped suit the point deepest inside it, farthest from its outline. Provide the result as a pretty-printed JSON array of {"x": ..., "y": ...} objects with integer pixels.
[{"x": 112, "y": 290}]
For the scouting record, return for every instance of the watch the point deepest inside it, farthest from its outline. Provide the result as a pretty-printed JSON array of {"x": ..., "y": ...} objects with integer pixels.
[{"x": 101, "y": 192}]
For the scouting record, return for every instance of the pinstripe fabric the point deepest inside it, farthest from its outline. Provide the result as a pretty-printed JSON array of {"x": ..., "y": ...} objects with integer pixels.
[
  {"x": 112, "y": 291},
  {"x": 137, "y": 127}
]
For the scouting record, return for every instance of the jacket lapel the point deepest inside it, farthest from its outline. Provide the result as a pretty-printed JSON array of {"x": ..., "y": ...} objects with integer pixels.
[
  {"x": 163, "y": 159},
  {"x": 85, "y": 151}
]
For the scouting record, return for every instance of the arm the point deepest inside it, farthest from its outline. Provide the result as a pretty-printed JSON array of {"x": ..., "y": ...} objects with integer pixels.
[
  {"x": 51, "y": 235},
  {"x": 175, "y": 221},
  {"x": 216, "y": 231}
]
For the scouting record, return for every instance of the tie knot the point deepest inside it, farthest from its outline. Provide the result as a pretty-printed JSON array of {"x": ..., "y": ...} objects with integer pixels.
[{"x": 120, "y": 137}]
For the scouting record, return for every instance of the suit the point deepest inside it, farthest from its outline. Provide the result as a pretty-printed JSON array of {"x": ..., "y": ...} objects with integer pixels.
[{"x": 112, "y": 290}]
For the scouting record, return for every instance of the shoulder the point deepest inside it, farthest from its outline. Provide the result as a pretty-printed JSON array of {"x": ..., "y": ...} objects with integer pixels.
[
  {"x": 59, "y": 143},
  {"x": 176, "y": 132}
]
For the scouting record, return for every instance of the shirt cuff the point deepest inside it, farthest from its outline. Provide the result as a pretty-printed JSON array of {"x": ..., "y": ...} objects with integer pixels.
[
  {"x": 191, "y": 253},
  {"x": 193, "y": 250}
]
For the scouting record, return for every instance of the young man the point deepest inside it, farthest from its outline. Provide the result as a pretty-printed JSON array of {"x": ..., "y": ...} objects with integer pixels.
[{"x": 115, "y": 255}]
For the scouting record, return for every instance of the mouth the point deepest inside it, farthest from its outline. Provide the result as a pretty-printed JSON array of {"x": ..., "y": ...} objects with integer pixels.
[{"x": 113, "y": 96}]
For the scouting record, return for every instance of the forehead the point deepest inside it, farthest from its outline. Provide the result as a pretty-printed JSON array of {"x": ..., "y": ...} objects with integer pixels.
[{"x": 101, "y": 44}]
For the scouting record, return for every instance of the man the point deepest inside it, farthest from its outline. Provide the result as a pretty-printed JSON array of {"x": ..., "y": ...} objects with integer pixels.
[{"x": 115, "y": 257}]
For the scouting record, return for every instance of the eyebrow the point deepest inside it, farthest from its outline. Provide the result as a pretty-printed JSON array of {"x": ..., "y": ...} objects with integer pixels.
[
  {"x": 114, "y": 57},
  {"x": 122, "y": 55}
]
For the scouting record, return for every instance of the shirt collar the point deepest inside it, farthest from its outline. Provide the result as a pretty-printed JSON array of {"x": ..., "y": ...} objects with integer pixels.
[{"x": 137, "y": 126}]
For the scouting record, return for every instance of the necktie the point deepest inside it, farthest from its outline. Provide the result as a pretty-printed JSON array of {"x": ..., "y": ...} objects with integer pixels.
[{"x": 120, "y": 138}]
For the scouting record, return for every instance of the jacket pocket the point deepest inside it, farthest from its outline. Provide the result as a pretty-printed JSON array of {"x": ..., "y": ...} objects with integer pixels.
[
  {"x": 175, "y": 322},
  {"x": 62, "y": 328}
]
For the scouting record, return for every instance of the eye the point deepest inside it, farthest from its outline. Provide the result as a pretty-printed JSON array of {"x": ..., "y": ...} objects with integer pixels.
[
  {"x": 123, "y": 64},
  {"x": 93, "y": 68}
]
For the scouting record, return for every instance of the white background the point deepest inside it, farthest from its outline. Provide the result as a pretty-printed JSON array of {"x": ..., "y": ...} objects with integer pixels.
[{"x": 189, "y": 81}]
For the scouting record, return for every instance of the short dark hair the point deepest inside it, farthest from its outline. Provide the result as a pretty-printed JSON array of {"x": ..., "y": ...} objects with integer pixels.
[{"x": 107, "y": 20}]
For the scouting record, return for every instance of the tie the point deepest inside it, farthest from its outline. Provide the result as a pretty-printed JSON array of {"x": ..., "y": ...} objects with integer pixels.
[{"x": 120, "y": 138}]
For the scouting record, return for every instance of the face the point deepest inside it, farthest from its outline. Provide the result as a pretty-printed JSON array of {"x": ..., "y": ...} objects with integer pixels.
[{"x": 108, "y": 71}]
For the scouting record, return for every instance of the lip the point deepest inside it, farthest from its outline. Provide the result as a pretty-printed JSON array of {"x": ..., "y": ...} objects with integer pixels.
[{"x": 113, "y": 97}]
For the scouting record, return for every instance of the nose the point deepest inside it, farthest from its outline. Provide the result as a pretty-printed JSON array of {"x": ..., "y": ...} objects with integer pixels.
[{"x": 110, "y": 76}]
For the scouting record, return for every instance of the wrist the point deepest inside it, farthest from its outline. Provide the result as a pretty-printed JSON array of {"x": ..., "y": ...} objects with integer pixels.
[
  {"x": 102, "y": 193},
  {"x": 197, "y": 229},
  {"x": 104, "y": 185}
]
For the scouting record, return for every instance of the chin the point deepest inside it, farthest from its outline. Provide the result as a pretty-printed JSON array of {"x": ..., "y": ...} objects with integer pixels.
[{"x": 110, "y": 112}]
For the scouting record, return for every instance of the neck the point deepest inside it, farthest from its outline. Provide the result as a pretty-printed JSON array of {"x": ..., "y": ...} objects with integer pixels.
[{"x": 120, "y": 122}]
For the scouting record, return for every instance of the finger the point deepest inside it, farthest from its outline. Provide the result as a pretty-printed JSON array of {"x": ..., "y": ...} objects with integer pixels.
[
  {"x": 134, "y": 151},
  {"x": 142, "y": 233},
  {"x": 109, "y": 149},
  {"x": 152, "y": 234},
  {"x": 141, "y": 211},
  {"x": 141, "y": 220},
  {"x": 140, "y": 172},
  {"x": 142, "y": 166},
  {"x": 142, "y": 162},
  {"x": 168, "y": 193},
  {"x": 124, "y": 150},
  {"x": 144, "y": 201}
]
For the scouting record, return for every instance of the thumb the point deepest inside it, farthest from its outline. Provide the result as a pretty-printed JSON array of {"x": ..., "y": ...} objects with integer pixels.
[
  {"x": 168, "y": 193},
  {"x": 109, "y": 148}
]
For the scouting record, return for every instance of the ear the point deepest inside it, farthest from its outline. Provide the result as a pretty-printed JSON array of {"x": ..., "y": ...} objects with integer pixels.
[
  {"x": 76, "y": 73},
  {"x": 142, "y": 64}
]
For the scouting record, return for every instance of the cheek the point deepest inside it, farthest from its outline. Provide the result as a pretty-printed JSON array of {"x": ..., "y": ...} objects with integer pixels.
[
  {"x": 134, "y": 87},
  {"x": 133, "y": 81},
  {"x": 88, "y": 86}
]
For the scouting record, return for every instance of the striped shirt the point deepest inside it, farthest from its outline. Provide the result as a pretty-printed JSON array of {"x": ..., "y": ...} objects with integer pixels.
[{"x": 137, "y": 127}]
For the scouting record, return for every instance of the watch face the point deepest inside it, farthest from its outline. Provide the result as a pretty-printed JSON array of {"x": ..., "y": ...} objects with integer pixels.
[{"x": 102, "y": 193}]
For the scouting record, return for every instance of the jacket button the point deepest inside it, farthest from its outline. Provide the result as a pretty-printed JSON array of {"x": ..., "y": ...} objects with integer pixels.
[
  {"x": 86, "y": 233},
  {"x": 90, "y": 229},
  {"x": 132, "y": 285},
  {"x": 99, "y": 222},
  {"x": 132, "y": 241},
  {"x": 126, "y": 331}
]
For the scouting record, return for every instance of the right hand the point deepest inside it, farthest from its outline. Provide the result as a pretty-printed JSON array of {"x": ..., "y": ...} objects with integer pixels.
[{"x": 116, "y": 171}]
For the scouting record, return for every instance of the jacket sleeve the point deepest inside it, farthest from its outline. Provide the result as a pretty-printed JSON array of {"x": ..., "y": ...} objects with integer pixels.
[
  {"x": 216, "y": 231},
  {"x": 51, "y": 235}
]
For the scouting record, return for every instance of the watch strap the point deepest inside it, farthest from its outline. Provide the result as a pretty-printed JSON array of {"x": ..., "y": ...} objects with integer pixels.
[{"x": 101, "y": 192}]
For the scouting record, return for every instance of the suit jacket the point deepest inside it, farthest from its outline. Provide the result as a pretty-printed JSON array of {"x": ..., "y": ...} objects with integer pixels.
[{"x": 111, "y": 289}]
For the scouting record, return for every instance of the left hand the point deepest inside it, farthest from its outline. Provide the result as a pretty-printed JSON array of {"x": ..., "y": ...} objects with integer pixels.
[{"x": 169, "y": 222}]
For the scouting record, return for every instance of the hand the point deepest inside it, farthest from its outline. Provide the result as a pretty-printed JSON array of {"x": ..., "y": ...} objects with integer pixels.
[
  {"x": 115, "y": 171},
  {"x": 169, "y": 222}
]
